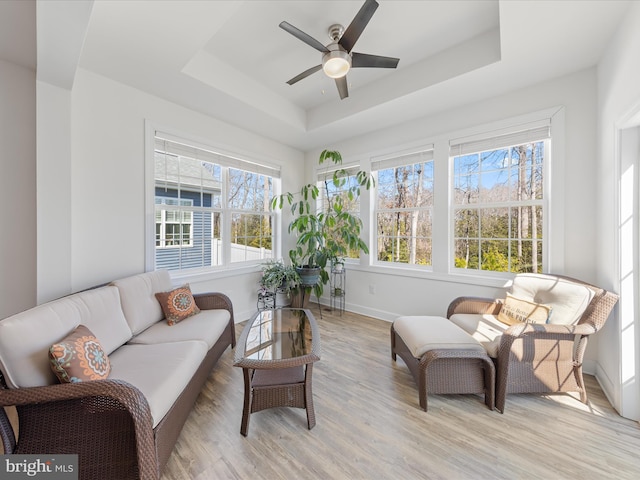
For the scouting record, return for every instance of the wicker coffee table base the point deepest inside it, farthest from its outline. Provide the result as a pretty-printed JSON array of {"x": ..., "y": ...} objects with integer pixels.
[{"x": 281, "y": 387}]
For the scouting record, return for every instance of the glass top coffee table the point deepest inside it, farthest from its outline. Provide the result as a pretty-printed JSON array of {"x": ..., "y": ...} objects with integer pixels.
[{"x": 276, "y": 351}]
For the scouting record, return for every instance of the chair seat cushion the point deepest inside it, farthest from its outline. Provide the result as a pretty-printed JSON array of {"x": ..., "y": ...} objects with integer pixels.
[
  {"x": 484, "y": 328},
  {"x": 161, "y": 372},
  {"x": 424, "y": 333},
  {"x": 208, "y": 326}
]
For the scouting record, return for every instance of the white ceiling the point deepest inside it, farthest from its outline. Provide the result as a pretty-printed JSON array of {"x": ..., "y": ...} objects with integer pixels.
[{"x": 230, "y": 60}]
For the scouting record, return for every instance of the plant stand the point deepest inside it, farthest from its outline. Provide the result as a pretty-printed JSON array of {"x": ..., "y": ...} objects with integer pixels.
[
  {"x": 338, "y": 285},
  {"x": 266, "y": 300}
]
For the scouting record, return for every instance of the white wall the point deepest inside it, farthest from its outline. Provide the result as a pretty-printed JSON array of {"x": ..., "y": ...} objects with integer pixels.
[
  {"x": 573, "y": 198},
  {"x": 54, "y": 191},
  {"x": 619, "y": 108},
  {"x": 108, "y": 181},
  {"x": 17, "y": 188}
]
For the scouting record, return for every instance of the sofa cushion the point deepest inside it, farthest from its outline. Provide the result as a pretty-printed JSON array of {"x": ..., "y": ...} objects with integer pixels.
[
  {"x": 26, "y": 363},
  {"x": 137, "y": 294},
  {"x": 177, "y": 304},
  {"x": 79, "y": 357},
  {"x": 485, "y": 328},
  {"x": 423, "y": 333},
  {"x": 161, "y": 371},
  {"x": 208, "y": 326},
  {"x": 567, "y": 299},
  {"x": 516, "y": 310}
]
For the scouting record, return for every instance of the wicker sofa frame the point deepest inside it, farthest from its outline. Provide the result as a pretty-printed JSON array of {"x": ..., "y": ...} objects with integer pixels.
[
  {"x": 542, "y": 358},
  {"x": 107, "y": 422}
]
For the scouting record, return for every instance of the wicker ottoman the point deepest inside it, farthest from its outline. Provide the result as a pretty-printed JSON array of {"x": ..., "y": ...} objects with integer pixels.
[{"x": 442, "y": 358}]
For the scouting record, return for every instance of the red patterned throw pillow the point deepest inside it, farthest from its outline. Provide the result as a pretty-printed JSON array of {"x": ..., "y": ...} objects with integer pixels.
[
  {"x": 177, "y": 304},
  {"x": 79, "y": 357}
]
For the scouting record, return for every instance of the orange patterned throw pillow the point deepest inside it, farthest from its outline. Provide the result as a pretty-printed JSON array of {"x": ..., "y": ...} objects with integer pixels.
[
  {"x": 79, "y": 357},
  {"x": 177, "y": 304}
]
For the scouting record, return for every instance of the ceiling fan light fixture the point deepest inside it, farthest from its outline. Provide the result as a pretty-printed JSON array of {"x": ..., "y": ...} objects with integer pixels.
[{"x": 336, "y": 63}]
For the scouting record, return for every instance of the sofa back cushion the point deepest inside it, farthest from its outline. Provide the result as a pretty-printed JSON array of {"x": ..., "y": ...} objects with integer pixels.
[
  {"x": 568, "y": 300},
  {"x": 139, "y": 303},
  {"x": 25, "y": 338}
]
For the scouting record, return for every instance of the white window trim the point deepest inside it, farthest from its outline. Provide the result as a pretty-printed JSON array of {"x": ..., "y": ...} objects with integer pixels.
[
  {"x": 391, "y": 161},
  {"x": 553, "y": 173},
  {"x": 209, "y": 272},
  {"x": 163, "y": 220},
  {"x": 442, "y": 227}
]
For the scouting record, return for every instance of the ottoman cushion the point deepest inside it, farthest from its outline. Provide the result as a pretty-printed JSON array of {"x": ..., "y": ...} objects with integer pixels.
[{"x": 424, "y": 333}]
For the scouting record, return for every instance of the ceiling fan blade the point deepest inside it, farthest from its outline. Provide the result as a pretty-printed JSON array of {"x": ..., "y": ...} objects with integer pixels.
[
  {"x": 359, "y": 60},
  {"x": 359, "y": 22},
  {"x": 304, "y": 74},
  {"x": 343, "y": 90},
  {"x": 306, "y": 38}
]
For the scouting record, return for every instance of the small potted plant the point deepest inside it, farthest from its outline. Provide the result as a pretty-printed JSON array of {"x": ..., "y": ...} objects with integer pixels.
[{"x": 280, "y": 279}]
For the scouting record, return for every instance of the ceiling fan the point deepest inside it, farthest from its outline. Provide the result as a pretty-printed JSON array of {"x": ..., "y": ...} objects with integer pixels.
[{"x": 337, "y": 57}]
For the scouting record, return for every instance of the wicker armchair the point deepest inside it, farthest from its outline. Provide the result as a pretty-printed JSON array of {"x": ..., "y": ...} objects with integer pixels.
[{"x": 533, "y": 357}]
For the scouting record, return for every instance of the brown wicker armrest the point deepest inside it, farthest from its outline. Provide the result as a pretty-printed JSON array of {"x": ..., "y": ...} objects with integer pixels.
[
  {"x": 475, "y": 305},
  {"x": 121, "y": 395},
  {"x": 214, "y": 301},
  {"x": 125, "y": 393},
  {"x": 548, "y": 328}
]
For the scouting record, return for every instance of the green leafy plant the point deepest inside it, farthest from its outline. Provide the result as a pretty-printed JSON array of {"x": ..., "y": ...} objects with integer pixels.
[
  {"x": 275, "y": 275},
  {"x": 331, "y": 232}
]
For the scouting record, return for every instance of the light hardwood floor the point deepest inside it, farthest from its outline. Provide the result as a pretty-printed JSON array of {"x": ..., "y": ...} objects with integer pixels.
[{"x": 370, "y": 426}]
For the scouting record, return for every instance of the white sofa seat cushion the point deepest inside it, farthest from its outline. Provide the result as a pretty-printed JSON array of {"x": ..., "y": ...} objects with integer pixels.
[
  {"x": 207, "y": 326},
  {"x": 137, "y": 293},
  {"x": 423, "y": 333},
  {"x": 161, "y": 372},
  {"x": 25, "y": 338},
  {"x": 568, "y": 300},
  {"x": 484, "y": 328}
]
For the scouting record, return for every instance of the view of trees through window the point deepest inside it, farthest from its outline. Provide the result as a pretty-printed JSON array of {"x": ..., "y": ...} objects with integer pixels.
[
  {"x": 209, "y": 213},
  {"x": 498, "y": 209},
  {"x": 251, "y": 225},
  {"x": 342, "y": 191},
  {"x": 403, "y": 211}
]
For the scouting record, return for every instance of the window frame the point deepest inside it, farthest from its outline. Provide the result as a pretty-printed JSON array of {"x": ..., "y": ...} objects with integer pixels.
[
  {"x": 510, "y": 204},
  {"x": 163, "y": 220},
  {"x": 325, "y": 174},
  {"x": 443, "y": 227},
  {"x": 237, "y": 160},
  {"x": 402, "y": 159}
]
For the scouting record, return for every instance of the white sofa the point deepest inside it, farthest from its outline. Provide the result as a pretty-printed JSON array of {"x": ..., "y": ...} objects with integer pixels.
[{"x": 126, "y": 425}]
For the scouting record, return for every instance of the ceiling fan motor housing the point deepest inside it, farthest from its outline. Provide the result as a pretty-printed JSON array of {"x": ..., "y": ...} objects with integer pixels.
[{"x": 337, "y": 61}]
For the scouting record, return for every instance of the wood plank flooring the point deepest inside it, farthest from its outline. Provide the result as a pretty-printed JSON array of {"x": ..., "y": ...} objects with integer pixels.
[{"x": 370, "y": 426}]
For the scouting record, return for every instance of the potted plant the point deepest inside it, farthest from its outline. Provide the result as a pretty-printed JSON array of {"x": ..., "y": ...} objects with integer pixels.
[
  {"x": 329, "y": 233},
  {"x": 280, "y": 279}
]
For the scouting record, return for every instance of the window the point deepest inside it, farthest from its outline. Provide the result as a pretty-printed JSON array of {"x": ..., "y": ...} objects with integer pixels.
[
  {"x": 210, "y": 209},
  {"x": 342, "y": 189},
  {"x": 403, "y": 208},
  {"x": 174, "y": 227},
  {"x": 251, "y": 221},
  {"x": 498, "y": 201}
]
